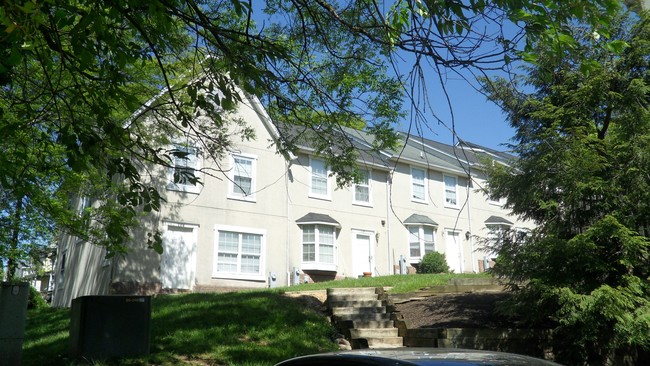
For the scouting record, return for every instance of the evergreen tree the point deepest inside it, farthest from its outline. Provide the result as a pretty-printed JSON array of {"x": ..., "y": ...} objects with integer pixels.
[{"x": 583, "y": 175}]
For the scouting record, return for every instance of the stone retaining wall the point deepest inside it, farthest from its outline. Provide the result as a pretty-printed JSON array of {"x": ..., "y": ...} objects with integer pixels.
[{"x": 532, "y": 342}]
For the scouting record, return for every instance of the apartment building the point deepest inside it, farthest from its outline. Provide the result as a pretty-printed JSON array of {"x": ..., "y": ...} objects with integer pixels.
[{"x": 274, "y": 220}]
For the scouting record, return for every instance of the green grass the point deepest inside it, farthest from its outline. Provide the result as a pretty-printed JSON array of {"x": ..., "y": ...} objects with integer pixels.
[
  {"x": 397, "y": 283},
  {"x": 245, "y": 328}
]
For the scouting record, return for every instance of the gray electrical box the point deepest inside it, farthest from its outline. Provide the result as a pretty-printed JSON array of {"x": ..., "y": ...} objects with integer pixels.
[
  {"x": 13, "y": 313},
  {"x": 273, "y": 280},
  {"x": 113, "y": 326}
]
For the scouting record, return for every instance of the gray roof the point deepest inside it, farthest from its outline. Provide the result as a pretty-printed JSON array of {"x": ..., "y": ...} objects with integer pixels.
[
  {"x": 414, "y": 149},
  {"x": 307, "y": 138},
  {"x": 459, "y": 156},
  {"x": 416, "y": 219},
  {"x": 497, "y": 220},
  {"x": 316, "y": 218}
]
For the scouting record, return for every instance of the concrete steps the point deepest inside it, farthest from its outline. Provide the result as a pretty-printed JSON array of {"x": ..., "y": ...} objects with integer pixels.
[{"x": 362, "y": 315}]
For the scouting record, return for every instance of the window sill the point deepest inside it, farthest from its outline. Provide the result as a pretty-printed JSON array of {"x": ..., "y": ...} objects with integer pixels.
[
  {"x": 185, "y": 189},
  {"x": 422, "y": 202},
  {"x": 362, "y": 204},
  {"x": 329, "y": 267},
  {"x": 242, "y": 198}
]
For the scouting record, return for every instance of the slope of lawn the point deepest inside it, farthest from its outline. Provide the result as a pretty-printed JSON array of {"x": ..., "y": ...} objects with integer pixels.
[
  {"x": 394, "y": 283},
  {"x": 239, "y": 328}
]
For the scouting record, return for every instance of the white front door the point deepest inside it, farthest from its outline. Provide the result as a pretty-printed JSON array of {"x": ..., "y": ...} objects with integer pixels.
[
  {"x": 453, "y": 252},
  {"x": 178, "y": 262},
  {"x": 362, "y": 259}
]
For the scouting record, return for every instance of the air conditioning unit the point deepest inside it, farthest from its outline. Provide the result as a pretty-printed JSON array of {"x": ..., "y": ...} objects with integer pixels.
[{"x": 111, "y": 326}]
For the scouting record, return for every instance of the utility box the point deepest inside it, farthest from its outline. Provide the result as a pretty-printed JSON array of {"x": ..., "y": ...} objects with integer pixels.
[
  {"x": 112, "y": 326},
  {"x": 273, "y": 280},
  {"x": 13, "y": 313}
]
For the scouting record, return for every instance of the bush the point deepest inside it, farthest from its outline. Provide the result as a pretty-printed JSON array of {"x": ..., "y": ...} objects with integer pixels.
[
  {"x": 433, "y": 262},
  {"x": 36, "y": 300}
]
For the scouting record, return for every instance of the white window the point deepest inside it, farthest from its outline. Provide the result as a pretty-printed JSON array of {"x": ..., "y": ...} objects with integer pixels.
[
  {"x": 318, "y": 246},
  {"x": 418, "y": 185},
  {"x": 61, "y": 274},
  {"x": 239, "y": 253},
  {"x": 242, "y": 177},
  {"x": 319, "y": 187},
  {"x": 421, "y": 241},
  {"x": 362, "y": 189},
  {"x": 495, "y": 201},
  {"x": 185, "y": 162},
  {"x": 451, "y": 191}
]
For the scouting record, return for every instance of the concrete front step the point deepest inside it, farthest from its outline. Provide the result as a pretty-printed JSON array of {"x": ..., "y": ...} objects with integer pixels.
[
  {"x": 359, "y": 303},
  {"x": 357, "y": 311},
  {"x": 372, "y": 324},
  {"x": 352, "y": 297},
  {"x": 390, "y": 342},
  {"x": 351, "y": 291},
  {"x": 373, "y": 333},
  {"x": 362, "y": 317}
]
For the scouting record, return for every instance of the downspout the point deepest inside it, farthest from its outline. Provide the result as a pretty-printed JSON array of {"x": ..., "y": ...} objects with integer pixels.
[
  {"x": 287, "y": 178},
  {"x": 389, "y": 182},
  {"x": 469, "y": 224}
]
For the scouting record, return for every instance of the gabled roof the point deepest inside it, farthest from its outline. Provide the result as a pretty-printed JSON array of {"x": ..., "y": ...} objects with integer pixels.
[
  {"x": 416, "y": 219},
  {"x": 497, "y": 220},
  {"x": 313, "y": 218}
]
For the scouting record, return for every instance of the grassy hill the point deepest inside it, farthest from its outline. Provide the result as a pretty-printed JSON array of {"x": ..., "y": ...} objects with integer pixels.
[{"x": 248, "y": 328}]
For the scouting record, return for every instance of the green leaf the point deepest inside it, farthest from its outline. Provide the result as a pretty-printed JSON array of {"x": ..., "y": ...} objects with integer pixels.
[{"x": 617, "y": 46}]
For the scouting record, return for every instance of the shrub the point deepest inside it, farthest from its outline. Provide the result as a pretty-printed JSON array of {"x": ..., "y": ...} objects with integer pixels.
[
  {"x": 433, "y": 262},
  {"x": 36, "y": 300}
]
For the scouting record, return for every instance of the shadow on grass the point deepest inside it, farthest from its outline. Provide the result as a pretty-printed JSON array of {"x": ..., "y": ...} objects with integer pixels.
[
  {"x": 247, "y": 328},
  {"x": 46, "y": 336},
  {"x": 236, "y": 328}
]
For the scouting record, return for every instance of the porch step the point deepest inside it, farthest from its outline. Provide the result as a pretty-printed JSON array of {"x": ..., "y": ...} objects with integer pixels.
[
  {"x": 356, "y": 303},
  {"x": 373, "y": 333},
  {"x": 395, "y": 342},
  {"x": 351, "y": 310},
  {"x": 362, "y": 317}
]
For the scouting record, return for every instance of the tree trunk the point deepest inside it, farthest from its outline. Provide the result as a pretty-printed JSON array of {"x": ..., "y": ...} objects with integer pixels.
[{"x": 12, "y": 262}]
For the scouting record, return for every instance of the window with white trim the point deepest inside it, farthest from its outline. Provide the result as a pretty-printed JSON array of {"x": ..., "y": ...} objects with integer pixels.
[
  {"x": 185, "y": 161},
  {"x": 242, "y": 177},
  {"x": 418, "y": 185},
  {"x": 421, "y": 241},
  {"x": 239, "y": 252},
  {"x": 495, "y": 201},
  {"x": 319, "y": 184},
  {"x": 318, "y": 244},
  {"x": 362, "y": 189},
  {"x": 451, "y": 191}
]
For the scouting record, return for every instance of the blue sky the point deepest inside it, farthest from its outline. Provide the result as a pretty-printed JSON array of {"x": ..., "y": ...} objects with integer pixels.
[{"x": 476, "y": 119}]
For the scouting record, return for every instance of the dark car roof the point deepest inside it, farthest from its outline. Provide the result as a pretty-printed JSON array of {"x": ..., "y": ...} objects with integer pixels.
[{"x": 416, "y": 356}]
